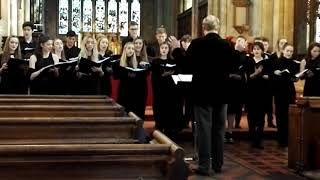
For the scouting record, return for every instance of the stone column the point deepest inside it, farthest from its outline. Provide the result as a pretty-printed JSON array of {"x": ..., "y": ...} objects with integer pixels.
[
  {"x": 266, "y": 25},
  {"x": 13, "y": 17},
  {"x": 195, "y": 15}
]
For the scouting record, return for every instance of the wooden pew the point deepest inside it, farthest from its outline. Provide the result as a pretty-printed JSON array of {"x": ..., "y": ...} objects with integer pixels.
[
  {"x": 55, "y": 96},
  {"x": 163, "y": 160},
  {"x": 61, "y": 111},
  {"x": 71, "y": 130},
  {"x": 304, "y": 133},
  {"x": 56, "y": 101}
]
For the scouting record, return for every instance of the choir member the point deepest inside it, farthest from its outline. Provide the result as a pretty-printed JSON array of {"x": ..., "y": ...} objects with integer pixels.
[
  {"x": 43, "y": 78},
  {"x": 258, "y": 73},
  {"x": 143, "y": 63},
  {"x": 131, "y": 88},
  {"x": 104, "y": 52},
  {"x": 14, "y": 73},
  {"x": 161, "y": 36},
  {"x": 265, "y": 42},
  {"x": 28, "y": 44},
  {"x": 166, "y": 109},
  {"x": 312, "y": 75},
  {"x": 70, "y": 50},
  {"x": 58, "y": 49},
  {"x": 183, "y": 67},
  {"x": 236, "y": 85},
  {"x": 279, "y": 48},
  {"x": 241, "y": 56},
  {"x": 285, "y": 69},
  {"x": 89, "y": 72},
  {"x": 133, "y": 33}
]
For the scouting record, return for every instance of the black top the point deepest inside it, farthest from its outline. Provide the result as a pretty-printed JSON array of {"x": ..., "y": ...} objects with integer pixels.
[
  {"x": 45, "y": 83},
  {"x": 125, "y": 40},
  {"x": 14, "y": 80},
  {"x": 284, "y": 84},
  {"x": 312, "y": 84},
  {"x": 210, "y": 63},
  {"x": 183, "y": 63},
  {"x": 27, "y": 49},
  {"x": 106, "y": 79},
  {"x": 71, "y": 52}
]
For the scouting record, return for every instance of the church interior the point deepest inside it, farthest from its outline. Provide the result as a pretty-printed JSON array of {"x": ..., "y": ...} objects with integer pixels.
[{"x": 93, "y": 136}]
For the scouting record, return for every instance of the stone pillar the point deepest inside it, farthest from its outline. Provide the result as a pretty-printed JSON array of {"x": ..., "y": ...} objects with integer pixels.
[
  {"x": 13, "y": 17},
  {"x": 195, "y": 15},
  {"x": 27, "y": 10},
  {"x": 266, "y": 25},
  {"x": 213, "y": 7},
  {"x": 21, "y": 16}
]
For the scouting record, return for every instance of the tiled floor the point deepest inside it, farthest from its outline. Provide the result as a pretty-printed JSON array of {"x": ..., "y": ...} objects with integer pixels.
[{"x": 241, "y": 161}]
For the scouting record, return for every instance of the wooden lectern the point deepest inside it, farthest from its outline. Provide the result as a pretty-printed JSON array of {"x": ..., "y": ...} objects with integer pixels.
[{"x": 304, "y": 134}]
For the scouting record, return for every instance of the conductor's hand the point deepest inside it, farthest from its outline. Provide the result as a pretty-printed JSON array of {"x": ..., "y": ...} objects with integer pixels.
[{"x": 174, "y": 42}]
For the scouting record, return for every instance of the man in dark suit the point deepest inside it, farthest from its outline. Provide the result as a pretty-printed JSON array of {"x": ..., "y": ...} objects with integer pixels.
[
  {"x": 210, "y": 63},
  {"x": 133, "y": 33}
]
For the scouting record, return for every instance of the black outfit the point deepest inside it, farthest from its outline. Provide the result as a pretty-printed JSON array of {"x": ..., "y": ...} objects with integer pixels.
[
  {"x": 210, "y": 64},
  {"x": 125, "y": 40},
  {"x": 90, "y": 83},
  {"x": 132, "y": 89},
  {"x": 45, "y": 83},
  {"x": 312, "y": 84},
  {"x": 72, "y": 52},
  {"x": 236, "y": 86},
  {"x": 27, "y": 49},
  {"x": 257, "y": 101},
  {"x": 183, "y": 67},
  {"x": 284, "y": 95},
  {"x": 166, "y": 111},
  {"x": 14, "y": 80},
  {"x": 106, "y": 79}
]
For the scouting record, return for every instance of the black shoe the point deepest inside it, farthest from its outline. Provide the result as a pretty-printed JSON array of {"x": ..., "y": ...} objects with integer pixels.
[
  {"x": 228, "y": 138},
  {"x": 217, "y": 170},
  {"x": 271, "y": 125},
  {"x": 201, "y": 173}
]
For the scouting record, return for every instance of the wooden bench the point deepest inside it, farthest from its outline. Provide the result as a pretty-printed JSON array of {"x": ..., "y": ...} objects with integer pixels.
[
  {"x": 71, "y": 130},
  {"x": 161, "y": 160},
  {"x": 304, "y": 133},
  {"x": 55, "y": 96},
  {"x": 61, "y": 111},
  {"x": 56, "y": 101}
]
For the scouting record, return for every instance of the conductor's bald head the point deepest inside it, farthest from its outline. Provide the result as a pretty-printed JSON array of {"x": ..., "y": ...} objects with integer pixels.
[{"x": 210, "y": 24}]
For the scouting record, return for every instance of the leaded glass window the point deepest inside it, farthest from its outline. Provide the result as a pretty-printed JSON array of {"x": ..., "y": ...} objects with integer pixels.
[
  {"x": 112, "y": 16},
  {"x": 135, "y": 13},
  {"x": 123, "y": 18},
  {"x": 87, "y": 16},
  {"x": 90, "y": 15},
  {"x": 100, "y": 15},
  {"x": 76, "y": 16},
  {"x": 63, "y": 16}
]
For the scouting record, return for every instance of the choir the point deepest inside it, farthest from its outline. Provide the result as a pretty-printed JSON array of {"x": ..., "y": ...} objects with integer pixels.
[{"x": 256, "y": 79}]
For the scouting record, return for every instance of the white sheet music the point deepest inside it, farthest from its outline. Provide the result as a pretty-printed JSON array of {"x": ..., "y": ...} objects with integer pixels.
[{"x": 182, "y": 78}]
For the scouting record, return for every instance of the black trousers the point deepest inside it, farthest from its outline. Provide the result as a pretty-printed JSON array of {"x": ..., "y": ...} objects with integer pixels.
[
  {"x": 256, "y": 123},
  {"x": 282, "y": 117}
]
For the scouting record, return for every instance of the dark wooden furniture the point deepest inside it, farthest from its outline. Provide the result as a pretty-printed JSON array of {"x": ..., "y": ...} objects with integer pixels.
[{"x": 304, "y": 133}]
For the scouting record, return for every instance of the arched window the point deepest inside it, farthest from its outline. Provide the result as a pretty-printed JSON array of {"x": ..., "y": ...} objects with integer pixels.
[{"x": 90, "y": 15}]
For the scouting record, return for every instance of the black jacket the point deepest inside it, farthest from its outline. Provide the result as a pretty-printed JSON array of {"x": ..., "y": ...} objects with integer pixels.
[{"x": 210, "y": 58}]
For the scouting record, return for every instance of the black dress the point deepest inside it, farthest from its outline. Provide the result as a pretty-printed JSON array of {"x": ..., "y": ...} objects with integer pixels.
[
  {"x": 90, "y": 82},
  {"x": 236, "y": 86},
  {"x": 106, "y": 79},
  {"x": 284, "y": 95},
  {"x": 257, "y": 100},
  {"x": 312, "y": 84},
  {"x": 45, "y": 83},
  {"x": 14, "y": 80},
  {"x": 166, "y": 109},
  {"x": 132, "y": 89}
]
